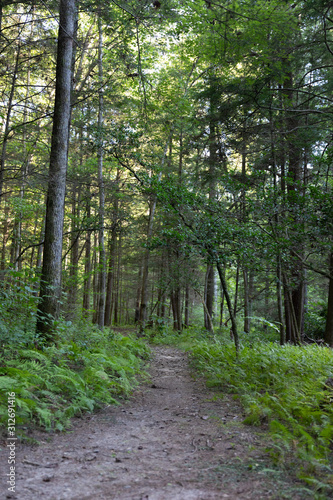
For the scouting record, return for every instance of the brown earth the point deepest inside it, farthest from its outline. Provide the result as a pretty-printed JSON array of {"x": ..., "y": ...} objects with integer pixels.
[{"x": 173, "y": 440}]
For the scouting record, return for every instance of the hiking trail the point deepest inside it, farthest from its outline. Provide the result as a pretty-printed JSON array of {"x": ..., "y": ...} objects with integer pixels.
[{"x": 174, "y": 439}]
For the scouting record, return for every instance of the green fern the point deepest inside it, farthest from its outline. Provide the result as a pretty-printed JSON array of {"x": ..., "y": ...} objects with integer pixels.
[{"x": 54, "y": 384}]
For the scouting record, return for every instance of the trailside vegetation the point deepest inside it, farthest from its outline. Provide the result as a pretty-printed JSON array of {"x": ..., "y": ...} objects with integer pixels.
[
  {"x": 286, "y": 389},
  {"x": 82, "y": 373}
]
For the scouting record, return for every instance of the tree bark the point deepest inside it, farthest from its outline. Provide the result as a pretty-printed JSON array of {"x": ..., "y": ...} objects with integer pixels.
[
  {"x": 74, "y": 256},
  {"x": 209, "y": 296},
  {"x": 279, "y": 300},
  {"x": 294, "y": 183},
  {"x": 229, "y": 304},
  {"x": 247, "y": 320},
  {"x": 111, "y": 259},
  {"x": 50, "y": 286},
  {"x": 187, "y": 306},
  {"x": 145, "y": 270},
  {"x": 329, "y": 320},
  {"x": 7, "y": 122},
  {"x": 87, "y": 262},
  {"x": 101, "y": 243},
  {"x": 110, "y": 278},
  {"x": 138, "y": 295},
  {"x": 116, "y": 317},
  {"x": 210, "y": 277}
]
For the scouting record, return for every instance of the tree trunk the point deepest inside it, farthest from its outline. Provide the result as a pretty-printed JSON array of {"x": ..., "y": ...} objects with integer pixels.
[
  {"x": 74, "y": 256},
  {"x": 210, "y": 277},
  {"x": 116, "y": 316},
  {"x": 247, "y": 320},
  {"x": 8, "y": 117},
  {"x": 102, "y": 257},
  {"x": 50, "y": 286},
  {"x": 279, "y": 301},
  {"x": 209, "y": 296},
  {"x": 236, "y": 290},
  {"x": 329, "y": 320},
  {"x": 174, "y": 305},
  {"x": 138, "y": 295},
  {"x": 294, "y": 181},
  {"x": 144, "y": 288},
  {"x": 110, "y": 278},
  {"x": 111, "y": 261},
  {"x": 95, "y": 277},
  {"x": 187, "y": 306},
  {"x": 87, "y": 263},
  {"x": 229, "y": 304},
  {"x": 221, "y": 307},
  {"x": 5, "y": 236}
]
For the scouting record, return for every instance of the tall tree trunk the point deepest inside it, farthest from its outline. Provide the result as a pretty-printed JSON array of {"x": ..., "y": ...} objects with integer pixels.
[
  {"x": 229, "y": 304},
  {"x": 138, "y": 295},
  {"x": 50, "y": 285},
  {"x": 145, "y": 269},
  {"x": 110, "y": 278},
  {"x": 102, "y": 256},
  {"x": 278, "y": 157},
  {"x": 7, "y": 122},
  {"x": 95, "y": 276},
  {"x": 40, "y": 250},
  {"x": 329, "y": 320},
  {"x": 247, "y": 312},
  {"x": 87, "y": 262},
  {"x": 74, "y": 255},
  {"x": 246, "y": 285},
  {"x": 144, "y": 288},
  {"x": 178, "y": 314},
  {"x": 221, "y": 307},
  {"x": 25, "y": 165},
  {"x": 213, "y": 159},
  {"x": 111, "y": 260},
  {"x": 174, "y": 305},
  {"x": 236, "y": 289},
  {"x": 279, "y": 300},
  {"x": 209, "y": 295},
  {"x": 5, "y": 236},
  {"x": 187, "y": 306},
  {"x": 118, "y": 282},
  {"x": 294, "y": 182}
]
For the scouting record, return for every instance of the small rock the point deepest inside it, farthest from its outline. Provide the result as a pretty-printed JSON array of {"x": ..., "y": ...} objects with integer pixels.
[{"x": 48, "y": 478}]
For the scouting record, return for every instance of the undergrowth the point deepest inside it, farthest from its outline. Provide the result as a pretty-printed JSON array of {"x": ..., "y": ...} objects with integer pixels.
[
  {"x": 287, "y": 388},
  {"x": 83, "y": 372}
]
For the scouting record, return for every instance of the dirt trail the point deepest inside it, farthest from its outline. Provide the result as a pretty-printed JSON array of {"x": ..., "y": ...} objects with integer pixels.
[{"x": 171, "y": 441}]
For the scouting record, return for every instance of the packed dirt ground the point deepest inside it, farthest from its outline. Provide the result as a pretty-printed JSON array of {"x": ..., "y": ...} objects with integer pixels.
[{"x": 174, "y": 439}]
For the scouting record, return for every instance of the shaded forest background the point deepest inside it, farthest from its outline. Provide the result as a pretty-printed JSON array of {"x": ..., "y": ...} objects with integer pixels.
[{"x": 199, "y": 182}]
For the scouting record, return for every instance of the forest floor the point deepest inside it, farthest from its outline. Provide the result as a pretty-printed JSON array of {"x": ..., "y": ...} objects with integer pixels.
[{"x": 174, "y": 439}]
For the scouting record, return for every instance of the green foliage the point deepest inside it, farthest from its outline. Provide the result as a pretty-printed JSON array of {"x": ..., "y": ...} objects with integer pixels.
[
  {"x": 80, "y": 374},
  {"x": 286, "y": 387},
  {"x": 315, "y": 320},
  {"x": 18, "y": 303}
]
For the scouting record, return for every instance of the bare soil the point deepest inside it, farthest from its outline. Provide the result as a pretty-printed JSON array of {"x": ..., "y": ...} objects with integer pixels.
[{"x": 174, "y": 439}]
